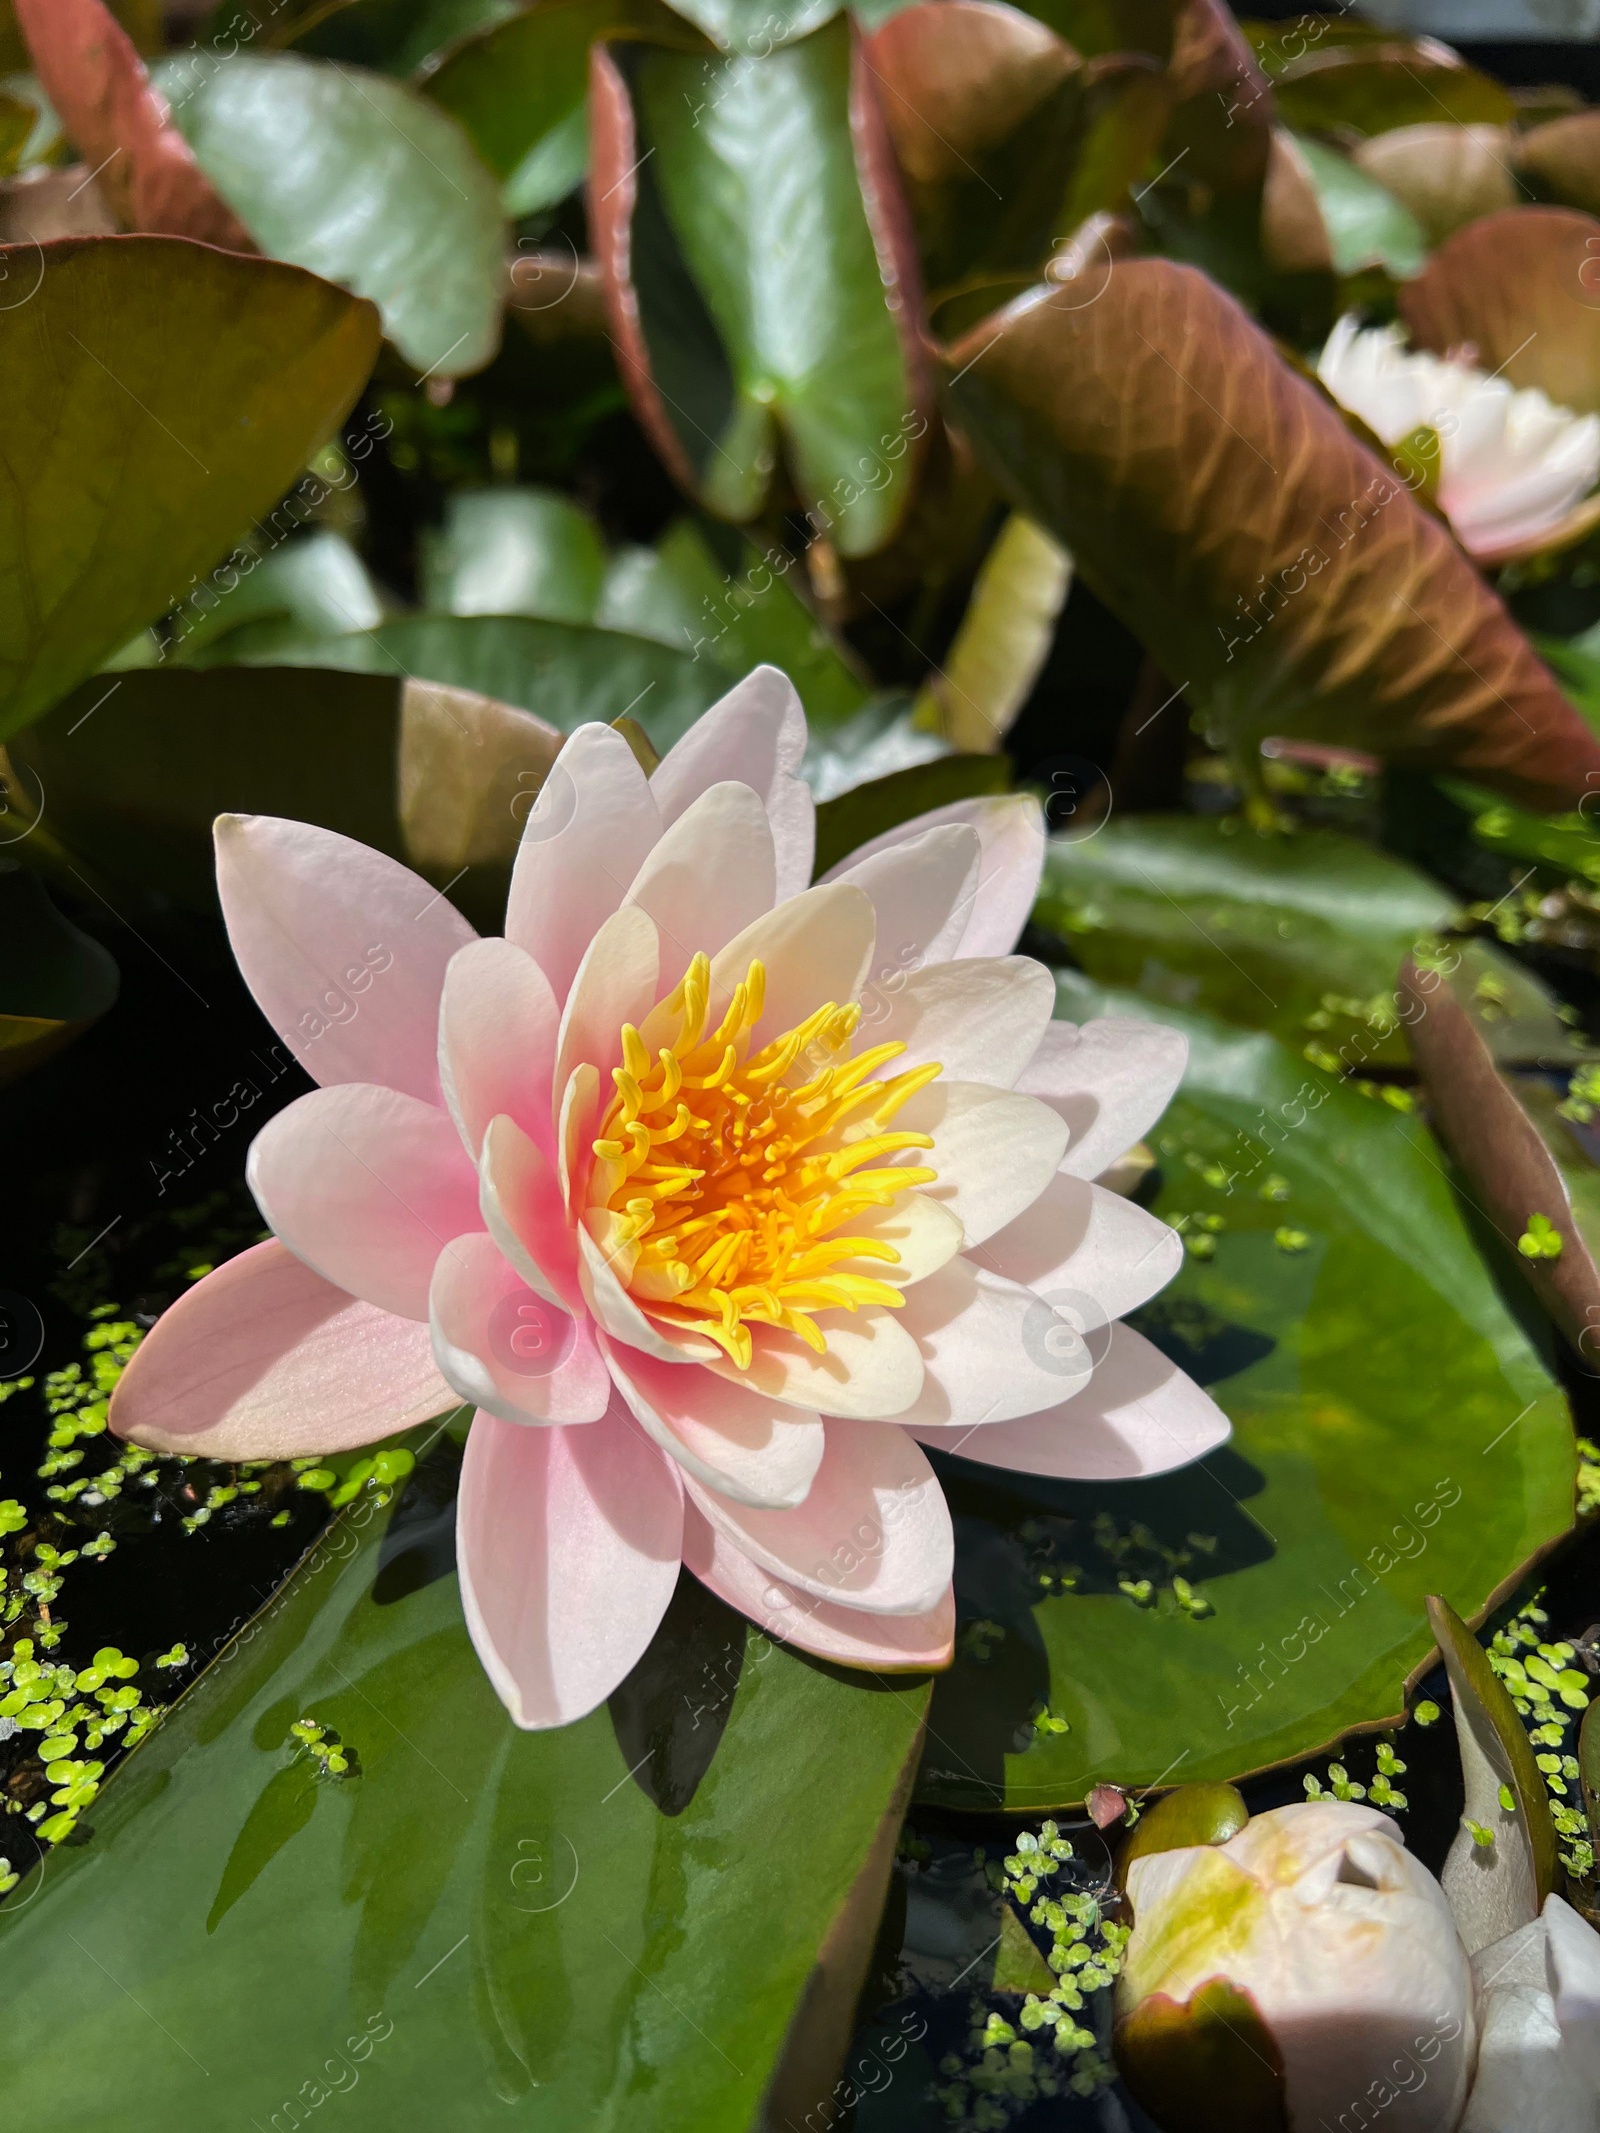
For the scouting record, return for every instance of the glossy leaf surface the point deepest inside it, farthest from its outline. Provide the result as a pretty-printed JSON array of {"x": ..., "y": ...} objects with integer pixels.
[
  {"x": 577, "y": 1924},
  {"x": 756, "y": 295},
  {"x": 1300, "y": 934},
  {"x": 1394, "y": 1435},
  {"x": 130, "y": 473},
  {"x": 362, "y": 181}
]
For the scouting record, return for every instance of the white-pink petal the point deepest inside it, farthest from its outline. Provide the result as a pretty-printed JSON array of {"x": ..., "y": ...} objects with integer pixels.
[
  {"x": 991, "y": 1350},
  {"x": 343, "y": 949},
  {"x": 497, "y": 1042},
  {"x": 520, "y": 1199},
  {"x": 586, "y": 836},
  {"x": 617, "y": 982},
  {"x": 368, "y": 1187},
  {"x": 711, "y": 875},
  {"x": 263, "y": 1359},
  {"x": 749, "y": 1448},
  {"x": 507, "y": 1349},
  {"x": 1087, "y": 1251},
  {"x": 755, "y": 734},
  {"x": 1139, "y": 1414},
  {"x": 994, "y": 1150},
  {"x": 1011, "y": 831},
  {"x": 870, "y": 1370},
  {"x": 616, "y": 1313},
  {"x": 981, "y": 1018},
  {"x": 922, "y": 891},
  {"x": 569, "y": 1543},
  {"x": 816, "y": 947},
  {"x": 885, "y": 1644},
  {"x": 1110, "y": 1080},
  {"x": 873, "y": 1533}
]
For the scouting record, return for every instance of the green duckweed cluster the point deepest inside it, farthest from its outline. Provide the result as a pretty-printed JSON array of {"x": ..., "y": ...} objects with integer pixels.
[
  {"x": 62, "y": 1725},
  {"x": 1381, "y": 1791},
  {"x": 1052, "y": 2047},
  {"x": 1551, "y": 1693}
]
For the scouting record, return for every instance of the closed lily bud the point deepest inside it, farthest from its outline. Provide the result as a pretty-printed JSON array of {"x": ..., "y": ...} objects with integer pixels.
[{"x": 1306, "y": 1974}]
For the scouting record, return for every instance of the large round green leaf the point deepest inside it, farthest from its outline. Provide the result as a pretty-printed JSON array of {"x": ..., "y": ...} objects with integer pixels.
[
  {"x": 1299, "y": 933},
  {"x": 129, "y": 472},
  {"x": 609, "y": 1926},
  {"x": 1394, "y": 1435},
  {"x": 359, "y": 179}
]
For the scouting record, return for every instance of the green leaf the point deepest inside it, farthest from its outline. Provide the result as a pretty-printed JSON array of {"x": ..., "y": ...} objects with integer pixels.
[
  {"x": 762, "y": 309},
  {"x": 1359, "y": 1478},
  {"x": 1018, "y": 1965},
  {"x": 1299, "y": 933},
  {"x": 608, "y": 1925},
  {"x": 135, "y": 774},
  {"x": 514, "y": 552},
  {"x": 757, "y": 26},
  {"x": 738, "y": 607},
  {"x": 1495, "y": 1889},
  {"x": 396, "y": 36},
  {"x": 129, "y": 472},
  {"x": 296, "y": 594},
  {"x": 1004, "y": 639},
  {"x": 1589, "y": 1768},
  {"x": 1367, "y": 226},
  {"x": 54, "y": 980},
  {"x": 520, "y": 93},
  {"x": 855, "y": 817},
  {"x": 364, "y": 182},
  {"x": 564, "y": 672}
]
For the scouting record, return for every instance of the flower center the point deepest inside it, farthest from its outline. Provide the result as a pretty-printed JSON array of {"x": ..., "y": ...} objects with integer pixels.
[{"x": 723, "y": 1177}]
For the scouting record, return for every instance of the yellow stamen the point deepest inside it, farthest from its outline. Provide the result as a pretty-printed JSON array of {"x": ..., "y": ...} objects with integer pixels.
[{"x": 761, "y": 1162}]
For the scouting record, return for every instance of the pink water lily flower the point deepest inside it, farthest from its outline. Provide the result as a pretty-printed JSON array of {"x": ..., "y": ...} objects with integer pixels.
[{"x": 718, "y": 1195}]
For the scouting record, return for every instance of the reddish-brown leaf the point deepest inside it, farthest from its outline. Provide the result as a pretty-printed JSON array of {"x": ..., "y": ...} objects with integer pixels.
[
  {"x": 120, "y": 124},
  {"x": 1510, "y": 1173},
  {"x": 955, "y": 77},
  {"x": 1277, "y": 570},
  {"x": 1521, "y": 289}
]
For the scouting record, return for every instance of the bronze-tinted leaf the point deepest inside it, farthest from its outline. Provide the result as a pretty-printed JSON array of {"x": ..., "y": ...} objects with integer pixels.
[
  {"x": 955, "y": 77},
  {"x": 1446, "y": 175},
  {"x": 1223, "y": 105},
  {"x": 120, "y": 123},
  {"x": 1562, "y": 159},
  {"x": 1275, "y": 569},
  {"x": 1522, "y": 289},
  {"x": 1371, "y": 87},
  {"x": 1511, "y": 1175},
  {"x": 1210, "y": 2065}
]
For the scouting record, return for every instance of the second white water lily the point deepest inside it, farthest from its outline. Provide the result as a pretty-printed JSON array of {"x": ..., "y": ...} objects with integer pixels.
[{"x": 1513, "y": 467}]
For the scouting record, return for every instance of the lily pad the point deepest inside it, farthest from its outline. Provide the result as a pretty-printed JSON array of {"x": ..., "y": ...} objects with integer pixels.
[
  {"x": 1395, "y": 1435},
  {"x": 1299, "y": 933},
  {"x": 361, "y": 180},
  {"x": 564, "y": 672},
  {"x": 130, "y": 472},
  {"x": 520, "y": 93},
  {"x": 297, "y": 594},
  {"x": 481, "y": 1918},
  {"x": 760, "y": 296},
  {"x": 512, "y": 551}
]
